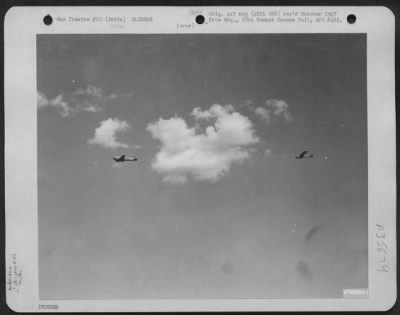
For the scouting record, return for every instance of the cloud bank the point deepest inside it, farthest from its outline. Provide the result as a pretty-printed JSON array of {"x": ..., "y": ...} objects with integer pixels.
[
  {"x": 202, "y": 155},
  {"x": 91, "y": 99},
  {"x": 106, "y": 134}
]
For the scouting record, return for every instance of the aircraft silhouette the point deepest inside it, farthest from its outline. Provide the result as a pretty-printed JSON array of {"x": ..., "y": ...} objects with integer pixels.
[
  {"x": 123, "y": 158},
  {"x": 304, "y": 155}
]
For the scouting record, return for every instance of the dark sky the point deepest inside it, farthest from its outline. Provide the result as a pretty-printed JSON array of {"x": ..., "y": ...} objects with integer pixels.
[{"x": 124, "y": 232}]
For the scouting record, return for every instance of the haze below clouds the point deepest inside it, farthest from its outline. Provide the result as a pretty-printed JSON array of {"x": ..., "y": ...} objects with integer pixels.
[{"x": 216, "y": 206}]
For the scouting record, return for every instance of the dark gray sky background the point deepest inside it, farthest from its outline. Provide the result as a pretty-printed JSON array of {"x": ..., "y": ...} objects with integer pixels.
[{"x": 109, "y": 232}]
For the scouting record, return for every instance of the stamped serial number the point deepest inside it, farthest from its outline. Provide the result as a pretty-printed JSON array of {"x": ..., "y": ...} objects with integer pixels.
[
  {"x": 48, "y": 306},
  {"x": 142, "y": 19}
]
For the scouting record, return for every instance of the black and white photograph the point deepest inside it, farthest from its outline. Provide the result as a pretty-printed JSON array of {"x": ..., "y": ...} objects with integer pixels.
[
  {"x": 202, "y": 166},
  {"x": 200, "y": 159}
]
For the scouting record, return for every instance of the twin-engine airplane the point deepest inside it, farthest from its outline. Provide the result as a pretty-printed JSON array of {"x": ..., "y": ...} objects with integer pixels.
[
  {"x": 123, "y": 158},
  {"x": 304, "y": 155}
]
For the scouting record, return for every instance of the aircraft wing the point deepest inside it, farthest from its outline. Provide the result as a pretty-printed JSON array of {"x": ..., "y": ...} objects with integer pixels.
[{"x": 302, "y": 154}]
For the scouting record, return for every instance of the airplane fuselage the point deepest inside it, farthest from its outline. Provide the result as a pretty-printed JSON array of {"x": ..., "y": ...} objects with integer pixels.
[{"x": 124, "y": 159}]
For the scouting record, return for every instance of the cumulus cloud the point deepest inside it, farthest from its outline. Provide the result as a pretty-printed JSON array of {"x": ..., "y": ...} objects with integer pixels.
[
  {"x": 106, "y": 134},
  {"x": 90, "y": 99},
  {"x": 58, "y": 102},
  {"x": 274, "y": 110},
  {"x": 187, "y": 152}
]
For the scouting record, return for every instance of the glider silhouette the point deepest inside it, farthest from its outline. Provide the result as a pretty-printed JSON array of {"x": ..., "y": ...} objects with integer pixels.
[
  {"x": 304, "y": 155},
  {"x": 123, "y": 158}
]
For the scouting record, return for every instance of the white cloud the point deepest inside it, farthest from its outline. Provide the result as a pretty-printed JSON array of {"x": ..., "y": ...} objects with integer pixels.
[
  {"x": 274, "y": 110},
  {"x": 92, "y": 109},
  {"x": 96, "y": 92},
  {"x": 89, "y": 99},
  {"x": 58, "y": 102},
  {"x": 92, "y": 99},
  {"x": 263, "y": 113},
  {"x": 61, "y": 105},
  {"x": 197, "y": 113},
  {"x": 42, "y": 100},
  {"x": 106, "y": 134},
  {"x": 206, "y": 155},
  {"x": 90, "y": 90}
]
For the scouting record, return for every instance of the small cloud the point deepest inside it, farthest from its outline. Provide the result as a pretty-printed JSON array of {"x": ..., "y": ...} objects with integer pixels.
[
  {"x": 90, "y": 90},
  {"x": 204, "y": 156},
  {"x": 96, "y": 92},
  {"x": 106, "y": 134},
  {"x": 61, "y": 104},
  {"x": 274, "y": 110},
  {"x": 90, "y": 99},
  {"x": 197, "y": 113},
  {"x": 92, "y": 109},
  {"x": 58, "y": 102},
  {"x": 42, "y": 100},
  {"x": 263, "y": 113}
]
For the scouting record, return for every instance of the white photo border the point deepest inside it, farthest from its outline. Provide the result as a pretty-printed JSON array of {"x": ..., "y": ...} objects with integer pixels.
[{"x": 22, "y": 24}]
